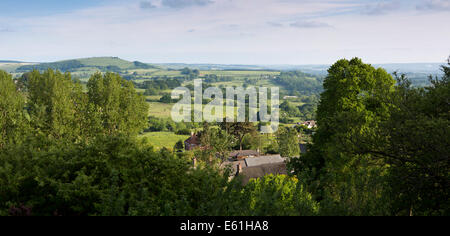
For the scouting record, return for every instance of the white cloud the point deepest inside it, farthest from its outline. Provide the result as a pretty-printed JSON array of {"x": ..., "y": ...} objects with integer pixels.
[
  {"x": 309, "y": 24},
  {"x": 185, "y": 3},
  {"x": 434, "y": 5},
  {"x": 380, "y": 8},
  {"x": 146, "y": 5}
]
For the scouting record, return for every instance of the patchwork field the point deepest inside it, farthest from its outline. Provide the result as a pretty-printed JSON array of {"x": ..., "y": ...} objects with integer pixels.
[
  {"x": 163, "y": 139},
  {"x": 160, "y": 110}
]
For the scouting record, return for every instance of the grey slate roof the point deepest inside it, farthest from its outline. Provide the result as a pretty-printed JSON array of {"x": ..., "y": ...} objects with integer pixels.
[
  {"x": 263, "y": 160},
  {"x": 256, "y": 172},
  {"x": 257, "y": 167}
]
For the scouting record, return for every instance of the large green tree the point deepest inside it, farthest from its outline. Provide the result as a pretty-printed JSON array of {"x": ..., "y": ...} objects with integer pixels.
[
  {"x": 415, "y": 144},
  {"x": 54, "y": 102},
  {"x": 239, "y": 130},
  {"x": 288, "y": 143},
  {"x": 217, "y": 141},
  {"x": 12, "y": 114},
  {"x": 380, "y": 149},
  {"x": 354, "y": 102},
  {"x": 121, "y": 109}
]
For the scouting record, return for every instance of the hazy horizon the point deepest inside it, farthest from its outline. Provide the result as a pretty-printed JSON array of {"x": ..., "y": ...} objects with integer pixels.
[{"x": 209, "y": 63}]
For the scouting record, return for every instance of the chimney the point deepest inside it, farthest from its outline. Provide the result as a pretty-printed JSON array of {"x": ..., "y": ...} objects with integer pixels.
[
  {"x": 194, "y": 162},
  {"x": 239, "y": 169}
]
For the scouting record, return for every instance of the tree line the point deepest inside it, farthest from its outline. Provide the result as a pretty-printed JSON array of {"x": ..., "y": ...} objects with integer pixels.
[{"x": 299, "y": 83}]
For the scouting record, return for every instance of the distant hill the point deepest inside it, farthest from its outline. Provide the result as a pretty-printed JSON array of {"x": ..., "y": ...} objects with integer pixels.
[
  {"x": 113, "y": 64},
  {"x": 7, "y": 61},
  {"x": 418, "y": 73},
  {"x": 11, "y": 66}
]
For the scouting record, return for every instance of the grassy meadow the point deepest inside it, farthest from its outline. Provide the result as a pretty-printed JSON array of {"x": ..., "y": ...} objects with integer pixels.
[{"x": 163, "y": 139}]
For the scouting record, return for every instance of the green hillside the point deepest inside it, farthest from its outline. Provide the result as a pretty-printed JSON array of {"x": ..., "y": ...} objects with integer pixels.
[
  {"x": 11, "y": 66},
  {"x": 113, "y": 61},
  {"x": 114, "y": 64},
  {"x": 9, "y": 61}
]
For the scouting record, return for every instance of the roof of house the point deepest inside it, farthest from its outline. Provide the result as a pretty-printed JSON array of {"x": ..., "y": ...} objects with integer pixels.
[
  {"x": 263, "y": 160},
  {"x": 255, "y": 172},
  {"x": 310, "y": 122},
  {"x": 233, "y": 165},
  {"x": 244, "y": 153},
  {"x": 257, "y": 167}
]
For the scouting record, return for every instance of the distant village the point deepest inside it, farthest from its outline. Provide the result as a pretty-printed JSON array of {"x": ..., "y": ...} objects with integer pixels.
[{"x": 251, "y": 164}]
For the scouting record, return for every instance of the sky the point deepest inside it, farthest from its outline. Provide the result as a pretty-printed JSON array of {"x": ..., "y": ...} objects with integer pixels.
[{"x": 263, "y": 32}]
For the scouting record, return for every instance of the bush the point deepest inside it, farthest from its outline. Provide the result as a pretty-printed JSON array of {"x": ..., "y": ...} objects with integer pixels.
[
  {"x": 183, "y": 132},
  {"x": 279, "y": 196}
]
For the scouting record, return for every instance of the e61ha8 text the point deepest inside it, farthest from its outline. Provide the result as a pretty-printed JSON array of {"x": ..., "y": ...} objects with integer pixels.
[{"x": 246, "y": 226}]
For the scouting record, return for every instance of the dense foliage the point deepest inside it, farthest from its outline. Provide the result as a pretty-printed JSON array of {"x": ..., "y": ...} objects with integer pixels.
[
  {"x": 12, "y": 115},
  {"x": 166, "y": 124},
  {"x": 380, "y": 148},
  {"x": 299, "y": 83},
  {"x": 288, "y": 143}
]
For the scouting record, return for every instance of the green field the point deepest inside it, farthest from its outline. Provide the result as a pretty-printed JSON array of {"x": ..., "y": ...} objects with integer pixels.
[
  {"x": 166, "y": 73},
  {"x": 240, "y": 73},
  {"x": 160, "y": 110},
  {"x": 163, "y": 139}
]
